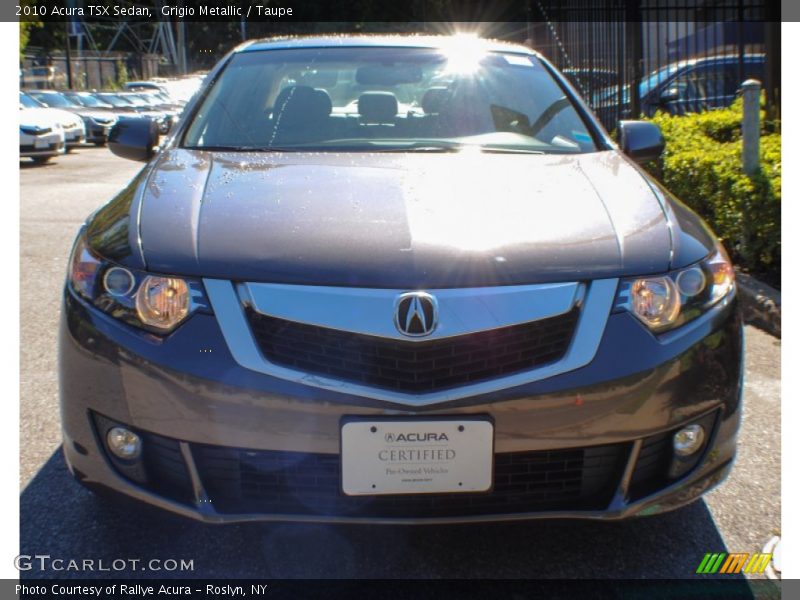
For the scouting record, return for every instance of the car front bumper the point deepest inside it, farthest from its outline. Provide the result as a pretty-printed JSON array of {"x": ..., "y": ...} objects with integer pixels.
[
  {"x": 97, "y": 133},
  {"x": 213, "y": 423},
  {"x": 51, "y": 144},
  {"x": 74, "y": 137}
]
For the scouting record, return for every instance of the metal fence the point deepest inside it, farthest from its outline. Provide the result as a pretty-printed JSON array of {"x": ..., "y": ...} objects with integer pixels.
[
  {"x": 631, "y": 59},
  {"x": 88, "y": 72}
]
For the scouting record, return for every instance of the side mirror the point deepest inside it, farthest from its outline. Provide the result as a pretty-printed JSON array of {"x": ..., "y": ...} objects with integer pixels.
[
  {"x": 641, "y": 140},
  {"x": 133, "y": 138},
  {"x": 670, "y": 95}
]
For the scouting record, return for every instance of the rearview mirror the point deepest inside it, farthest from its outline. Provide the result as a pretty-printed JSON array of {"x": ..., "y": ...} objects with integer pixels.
[
  {"x": 388, "y": 74},
  {"x": 641, "y": 140},
  {"x": 134, "y": 138}
]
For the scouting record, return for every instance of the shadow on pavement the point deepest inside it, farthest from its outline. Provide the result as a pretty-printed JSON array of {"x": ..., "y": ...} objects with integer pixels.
[
  {"x": 29, "y": 164},
  {"x": 59, "y": 518}
]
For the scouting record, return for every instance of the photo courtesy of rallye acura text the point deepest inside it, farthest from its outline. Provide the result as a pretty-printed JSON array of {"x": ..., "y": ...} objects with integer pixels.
[{"x": 397, "y": 279}]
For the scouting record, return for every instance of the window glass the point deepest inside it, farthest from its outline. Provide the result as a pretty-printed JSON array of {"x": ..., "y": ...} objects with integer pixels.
[{"x": 387, "y": 98}]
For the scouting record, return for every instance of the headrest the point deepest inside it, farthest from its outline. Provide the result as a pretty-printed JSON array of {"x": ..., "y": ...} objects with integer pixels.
[
  {"x": 377, "y": 107},
  {"x": 434, "y": 99},
  {"x": 302, "y": 101}
]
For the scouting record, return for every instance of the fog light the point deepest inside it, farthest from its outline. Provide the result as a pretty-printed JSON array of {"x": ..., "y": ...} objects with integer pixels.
[
  {"x": 688, "y": 440},
  {"x": 124, "y": 443}
]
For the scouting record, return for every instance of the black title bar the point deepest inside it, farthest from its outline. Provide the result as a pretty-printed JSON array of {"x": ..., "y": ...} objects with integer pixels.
[
  {"x": 734, "y": 588},
  {"x": 422, "y": 11}
]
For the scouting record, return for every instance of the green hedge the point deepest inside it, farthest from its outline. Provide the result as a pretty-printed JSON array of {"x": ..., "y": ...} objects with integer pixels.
[{"x": 702, "y": 166}]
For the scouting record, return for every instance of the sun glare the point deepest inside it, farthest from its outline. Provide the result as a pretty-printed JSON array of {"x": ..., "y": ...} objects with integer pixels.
[{"x": 464, "y": 52}]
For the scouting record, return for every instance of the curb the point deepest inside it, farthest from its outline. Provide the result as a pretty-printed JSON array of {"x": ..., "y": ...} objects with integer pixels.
[{"x": 761, "y": 303}]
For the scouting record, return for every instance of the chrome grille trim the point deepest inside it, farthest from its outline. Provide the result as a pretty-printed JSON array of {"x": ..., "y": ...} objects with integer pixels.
[
  {"x": 371, "y": 311},
  {"x": 597, "y": 301}
]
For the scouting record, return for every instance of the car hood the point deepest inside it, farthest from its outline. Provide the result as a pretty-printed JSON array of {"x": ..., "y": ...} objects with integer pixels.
[
  {"x": 149, "y": 112},
  {"x": 49, "y": 116},
  {"x": 399, "y": 220},
  {"x": 37, "y": 117},
  {"x": 96, "y": 114}
]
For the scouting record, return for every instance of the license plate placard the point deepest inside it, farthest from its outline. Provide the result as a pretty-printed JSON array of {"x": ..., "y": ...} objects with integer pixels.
[
  {"x": 41, "y": 144},
  {"x": 416, "y": 456}
]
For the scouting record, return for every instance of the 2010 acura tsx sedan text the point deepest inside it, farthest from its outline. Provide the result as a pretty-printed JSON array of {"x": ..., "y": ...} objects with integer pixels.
[{"x": 400, "y": 279}]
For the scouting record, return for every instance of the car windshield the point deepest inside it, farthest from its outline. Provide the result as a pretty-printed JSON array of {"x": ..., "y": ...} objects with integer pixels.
[
  {"x": 29, "y": 102},
  {"x": 114, "y": 100},
  {"x": 134, "y": 99},
  {"x": 147, "y": 99},
  {"x": 53, "y": 99},
  {"x": 90, "y": 101},
  {"x": 389, "y": 99}
]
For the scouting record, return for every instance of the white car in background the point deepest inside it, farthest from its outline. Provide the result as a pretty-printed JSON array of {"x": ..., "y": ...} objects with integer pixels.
[
  {"x": 96, "y": 122},
  {"x": 41, "y": 136},
  {"x": 72, "y": 124}
]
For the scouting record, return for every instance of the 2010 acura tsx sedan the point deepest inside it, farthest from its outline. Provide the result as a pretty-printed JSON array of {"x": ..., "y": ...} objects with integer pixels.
[{"x": 399, "y": 279}]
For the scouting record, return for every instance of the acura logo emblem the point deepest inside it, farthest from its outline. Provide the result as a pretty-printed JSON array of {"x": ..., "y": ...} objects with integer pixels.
[{"x": 416, "y": 314}]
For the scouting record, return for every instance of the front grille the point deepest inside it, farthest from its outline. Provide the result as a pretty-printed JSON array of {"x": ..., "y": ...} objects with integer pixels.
[
  {"x": 293, "y": 483},
  {"x": 166, "y": 470},
  {"x": 652, "y": 465},
  {"x": 414, "y": 367}
]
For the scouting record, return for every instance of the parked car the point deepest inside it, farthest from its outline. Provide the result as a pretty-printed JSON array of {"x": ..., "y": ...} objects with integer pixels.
[
  {"x": 88, "y": 100},
  {"x": 96, "y": 123},
  {"x": 686, "y": 86},
  {"x": 130, "y": 104},
  {"x": 44, "y": 76},
  {"x": 72, "y": 125},
  {"x": 313, "y": 305},
  {"x": 182, "y": 90},
  {"x": 591, "y": 78},
  {"x": 157, "y": 102},
  {"x": 41, "y": 136},
  {"x": 148, "y": 86}
]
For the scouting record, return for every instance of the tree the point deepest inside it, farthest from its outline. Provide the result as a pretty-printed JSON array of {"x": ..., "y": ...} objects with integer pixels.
[{"x": 26, "y": 24}]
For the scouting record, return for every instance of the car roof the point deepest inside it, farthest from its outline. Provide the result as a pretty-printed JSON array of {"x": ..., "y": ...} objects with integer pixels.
[
  {"x": 367, "y": 41},
  {"x": 718, "y": 59}
]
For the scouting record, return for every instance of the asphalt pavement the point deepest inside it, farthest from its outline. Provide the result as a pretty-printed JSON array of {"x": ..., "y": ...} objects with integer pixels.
[{"x": 61, "y": 519}]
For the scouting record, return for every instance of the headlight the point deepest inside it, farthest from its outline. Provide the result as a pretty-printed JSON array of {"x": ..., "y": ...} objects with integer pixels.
[
  {"x": 153, "y": 302},
  {"x": 162, "y": 302},
  {"x": 667, "y": 301},
  {"x": 655, "y": 301}
]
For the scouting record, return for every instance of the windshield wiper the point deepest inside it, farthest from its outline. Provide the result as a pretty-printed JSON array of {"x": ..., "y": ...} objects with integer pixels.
[
  {"x": 507, "y": 150},
  {"x": 415, "y": 147},
  {"x": 217, "y": 148},
  {"x": 424, "y": 148}
]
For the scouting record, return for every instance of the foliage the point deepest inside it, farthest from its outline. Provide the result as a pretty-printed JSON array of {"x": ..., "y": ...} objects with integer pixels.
[
  {"x": 27, "y": 23},
  {"x": 122, "y": 75},
  {"x": 702, "y": 166}
]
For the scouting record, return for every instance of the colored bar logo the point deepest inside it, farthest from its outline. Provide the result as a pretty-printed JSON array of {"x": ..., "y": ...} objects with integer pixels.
[{"x": 741, "y": 562}]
